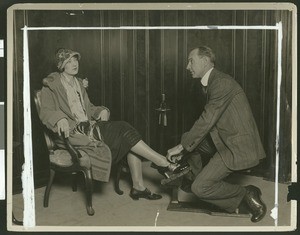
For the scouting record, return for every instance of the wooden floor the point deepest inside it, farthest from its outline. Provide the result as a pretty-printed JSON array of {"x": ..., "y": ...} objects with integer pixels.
[{"x": 115, "y": 212}]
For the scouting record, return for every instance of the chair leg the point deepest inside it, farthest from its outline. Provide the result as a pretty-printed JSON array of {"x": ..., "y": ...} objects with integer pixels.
[
  {"x": 48, "y": 188},
  {"x": 117, "y": 179},
  {"x": 74, "y": 182},
  {"x": 89, "y": 190}
]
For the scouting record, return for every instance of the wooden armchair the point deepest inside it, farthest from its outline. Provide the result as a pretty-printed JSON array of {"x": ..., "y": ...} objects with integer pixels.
[{"x": 66, "y": 161}]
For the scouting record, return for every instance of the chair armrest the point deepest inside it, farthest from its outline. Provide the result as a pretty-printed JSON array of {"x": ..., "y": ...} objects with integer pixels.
[{"x": 75, "y": 154}]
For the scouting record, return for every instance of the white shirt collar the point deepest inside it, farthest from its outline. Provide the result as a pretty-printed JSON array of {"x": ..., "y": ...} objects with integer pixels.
[{"x": 204, "y": 80}]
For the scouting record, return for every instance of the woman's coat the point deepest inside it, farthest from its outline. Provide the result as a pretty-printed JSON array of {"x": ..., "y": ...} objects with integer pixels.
[{"x": 54, "y": 106}]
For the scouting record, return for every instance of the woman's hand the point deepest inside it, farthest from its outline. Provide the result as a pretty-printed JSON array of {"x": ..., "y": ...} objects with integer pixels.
[
  {"x": 63, "y": 127},
  {"x": 174, "y": 151},
  {"x": 104, "y": 115},
  {"x": 83, "y": 127}
]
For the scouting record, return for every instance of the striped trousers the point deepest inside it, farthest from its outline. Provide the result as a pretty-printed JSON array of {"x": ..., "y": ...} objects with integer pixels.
[{"x": 209, "y": 184}]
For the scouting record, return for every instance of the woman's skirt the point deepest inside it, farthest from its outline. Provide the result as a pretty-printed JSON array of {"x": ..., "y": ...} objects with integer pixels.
[{"x": 119, "y": 136}]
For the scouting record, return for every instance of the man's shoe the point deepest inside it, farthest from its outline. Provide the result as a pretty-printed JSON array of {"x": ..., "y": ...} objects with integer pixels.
[{"x": 255, "y": 205}]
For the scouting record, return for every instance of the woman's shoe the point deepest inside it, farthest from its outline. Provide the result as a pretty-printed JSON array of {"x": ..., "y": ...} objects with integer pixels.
[
  {"x": 163, "y": 170},
  {"x": 172, "y": 168},
  {"x": 181, "y": 167},
  {"x": 137, "y": 194}
]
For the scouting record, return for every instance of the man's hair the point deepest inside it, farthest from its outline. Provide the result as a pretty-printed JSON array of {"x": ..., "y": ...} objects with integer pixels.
[{"x": 206, "y": 51}]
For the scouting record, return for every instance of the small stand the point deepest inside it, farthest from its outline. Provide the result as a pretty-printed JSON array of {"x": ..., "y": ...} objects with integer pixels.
[
  {"x": 162, "y": 118},
  {"x": 206, "y": 208},
  {"x": 162, "y": 121},
  {"x": 188, "y": 202}
]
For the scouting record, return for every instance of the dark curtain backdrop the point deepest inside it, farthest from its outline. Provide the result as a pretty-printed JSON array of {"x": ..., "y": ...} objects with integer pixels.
[{"x": 128, "y": 70}]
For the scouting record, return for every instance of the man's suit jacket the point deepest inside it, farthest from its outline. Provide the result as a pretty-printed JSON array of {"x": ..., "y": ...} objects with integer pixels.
[{"x": 228, "y": 118}]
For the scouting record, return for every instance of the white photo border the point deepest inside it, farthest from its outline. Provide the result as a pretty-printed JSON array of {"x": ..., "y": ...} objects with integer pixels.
[{"x": 27, "y": 175}]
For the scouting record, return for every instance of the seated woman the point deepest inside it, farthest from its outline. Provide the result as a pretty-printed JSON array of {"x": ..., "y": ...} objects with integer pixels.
[{"x": 66, "y": 108}]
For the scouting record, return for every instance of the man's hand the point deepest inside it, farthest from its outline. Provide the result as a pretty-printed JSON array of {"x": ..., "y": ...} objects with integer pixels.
[
  {"x": 174, "y": 151},
  {"x": 103, "y": 115},
  {"x": 63, "y": 127}
]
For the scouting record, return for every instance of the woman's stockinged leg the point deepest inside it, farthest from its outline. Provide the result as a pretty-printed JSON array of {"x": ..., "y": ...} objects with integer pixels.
[
  {"x": 142, "y": 149},
  {"x": 135, "y": 166},
  {"x": 138, "y": 189}
]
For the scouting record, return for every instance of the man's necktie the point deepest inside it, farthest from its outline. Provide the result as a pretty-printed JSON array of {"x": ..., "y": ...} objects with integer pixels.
[
  {"x": 204, "y": 89},
  {"x": 204, "y": 92}
]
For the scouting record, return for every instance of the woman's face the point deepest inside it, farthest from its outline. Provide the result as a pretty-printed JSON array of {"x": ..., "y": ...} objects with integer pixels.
[{"x": 72, "y": 66}]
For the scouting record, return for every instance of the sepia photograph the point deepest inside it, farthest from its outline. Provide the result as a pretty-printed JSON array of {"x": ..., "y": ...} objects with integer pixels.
[{"x": 151, "y": 117}]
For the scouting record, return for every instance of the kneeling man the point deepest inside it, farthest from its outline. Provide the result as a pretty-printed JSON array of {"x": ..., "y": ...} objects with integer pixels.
[{"x": 226, "y": 132}]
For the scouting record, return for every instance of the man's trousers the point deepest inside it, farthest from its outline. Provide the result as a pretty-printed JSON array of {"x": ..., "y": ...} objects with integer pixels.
[{"x": 209, "y": 184}]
